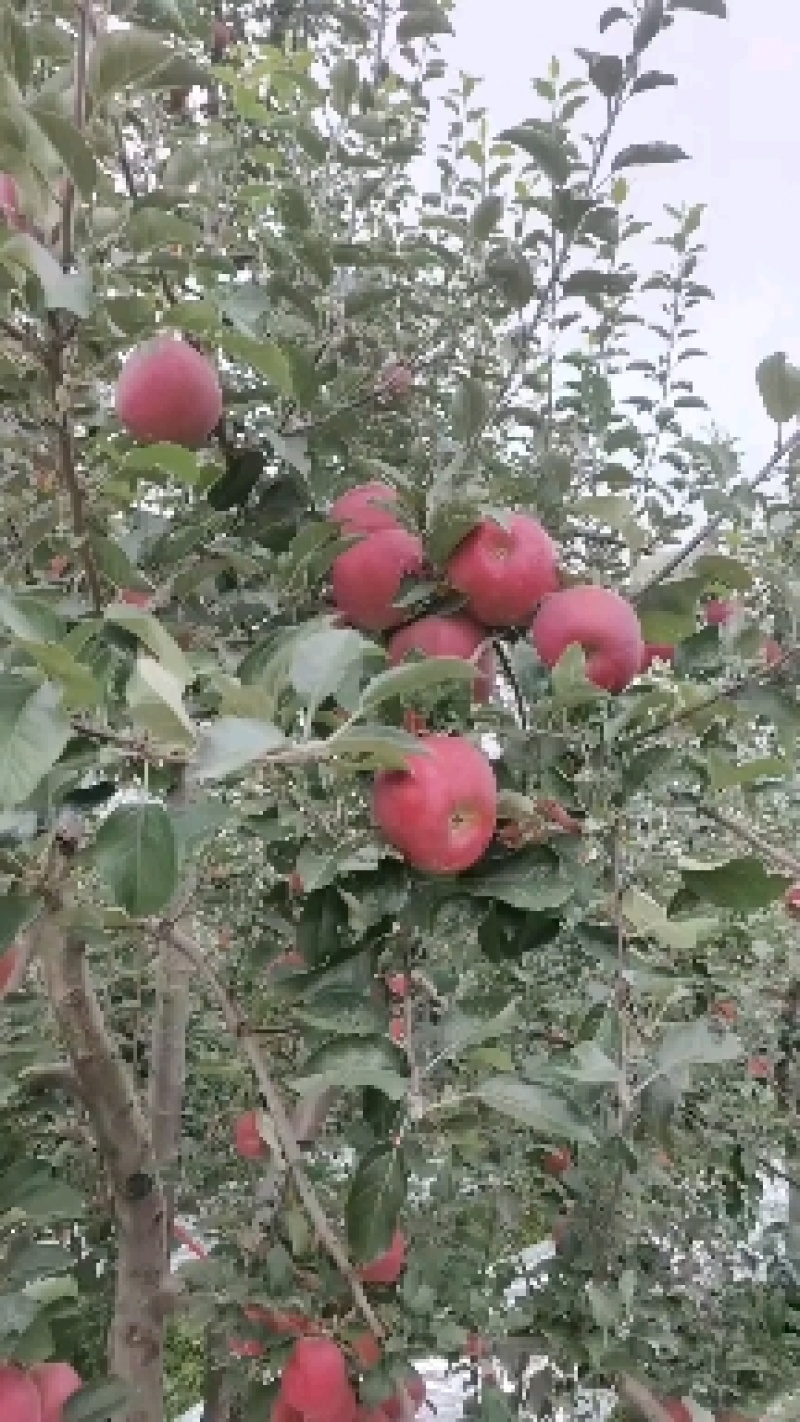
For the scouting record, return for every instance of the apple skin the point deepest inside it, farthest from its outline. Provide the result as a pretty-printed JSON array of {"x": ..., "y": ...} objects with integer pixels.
[
  {"x": 55, "y": 1383},
  {"x": 441, "y": 810},
  {"x": 558, "y": 1162},
  {"x": 315, "y": 1377},
  {"x": 367, "y": 578},
  {"x": 397, "y": 984},
  {"x": 759, "y": 1067},
  {"x": 19, "y": 1397},
  {"x": 247, "y": 1139},
  {"x": 719, "y": 610},
  {"x": 167, "y": 391},
  {"x": 656, "y": 652},
  {"x": 365, "y": 508},
  {"x": 504, "y": 572},
  {"x": 451, "y": 636},
  {"x": 601, "y": 622},
  {"x": 791, "y": 901},
  {"x": 387, "y": 1267},
  {"x": 397, "y": 1031}
]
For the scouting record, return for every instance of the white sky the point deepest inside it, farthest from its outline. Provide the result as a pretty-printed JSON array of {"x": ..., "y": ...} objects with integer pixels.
[{"x": 735, "y": 112}]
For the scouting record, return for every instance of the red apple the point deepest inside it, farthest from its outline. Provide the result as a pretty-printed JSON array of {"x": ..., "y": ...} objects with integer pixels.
[
  {"x": 558, "y": 1162},
  {"x": 771, "y": 652},
  {"x": 315, "y": 1377},
  {"x": 19, "y": 1398},
  {"x": 246, "y": 1348},
  {"x": 441, "y": 810},
  {"x": 10, "y": 203},
  {"x": 397, "y": 1031},
  {"x": 791, "y": 900},
  {"x": 55, "y": 1383},
  {"x": 388, "y": 1267},
  {"x": 367, "y": 577},
  {"x": 395, "y": 381},
  {"x": 292, "y": 959},
  {"x": 477, "y": 1347},
  {"x": 759, "y": 1067},
  {"x": 282, "y": 1412},
  {"x": 724, "y": 1009},
  {"x": 450, "y": 636},
  {"x": 167, "y": 391},
  {"x": 601, "y": 622},
  {"x": 221, "y": 37},
  {"x": 247, "y": 1137},
  {"x": 366, "y": 508},
  {"x": 677, "y": 1410},
  {"x": 9, "y": 963},
  {"x": 367, "y": 1350},
  {"x": 397, "y": 983},
  {"x": 135, "y": 597},
  {"x": 504, "y": 571},
  {"x": 719, "y": 610},
  {"x": 656, "y": 652}
]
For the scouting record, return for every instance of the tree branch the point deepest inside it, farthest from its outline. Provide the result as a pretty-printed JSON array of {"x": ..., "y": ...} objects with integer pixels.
[
  {"x": 281, "y": 1124},
  {"x": 783, "y": 860}
]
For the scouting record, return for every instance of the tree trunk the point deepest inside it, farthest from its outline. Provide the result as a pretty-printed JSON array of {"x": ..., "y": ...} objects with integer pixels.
[{"x": 136, "y": 1340}]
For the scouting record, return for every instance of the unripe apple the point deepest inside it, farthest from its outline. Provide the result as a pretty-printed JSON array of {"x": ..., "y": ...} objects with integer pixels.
[
  {"x": 366, "y": 508},
  {"x": 719, "y": 610},
  {"x": 55, "y": 1383},
  {"x": 19, "y": 1398},
  {"x": 504, "y": 570},
  {"x": 441, "y": 810},
  {"x": 447, "y": 636},
  {"x": 601, "y": 622},
  {"x": 368, "y": 577},
  {"x": 558, "y": 1162},
  {"x": 387, "y": 1267},
  {"x": 247, "y": 1137},
  {"x": 791, "y": 901},
  {"x": 167, "y": 391},
  {"x": 656, "y": 652},
  {"x": 315, "y": 1377}
]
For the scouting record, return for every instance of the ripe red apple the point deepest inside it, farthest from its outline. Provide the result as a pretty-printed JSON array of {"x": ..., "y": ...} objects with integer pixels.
[
  {"x": 315, "y": 1377},
  {"x": 292, "y": 959},
  {"x": 10, "y": 204},
  {"x": 279, "y": 1321},
  {"x": 759, "y": 1067},
  {"x": 135, "y": 597},
  {"x": 395, "y": 381},
  {"x": 167, "y": 391},
  {"x": 677, "y": 1410},
  {"x": 397, "y": 1031},
  {"x": 246, "y": 1348},
  {"x": 367, "y": 577},
  {"x": 719, "y": 610},
  {"x": 451, "y": 636},
  {"x": 9, "y": 962},
  {"x": 477, "y": 1347},
  {"x": 19, "y": 1398},
  {"x": 388, "y": 1267},
  {"x": 55, "y": 1383},
  {"x": 441, "y": 810},
  {"x": 282, "y": 1412},
  {"x": 656, "y": 652},
  {"x": 366, "y": 508},
  {"x": 397, "y": 983},
  {"x": 58, "y": 566},
  {"x": 598, "y": 620},
  {"x": 725, "y": 1009},
  {"x": 771, "y": 652},
  {"x": 791, "y": 900},
  {"x": 247, "y": 1137},
  {"x": 367, "y": 1350},
  {"x": 557, "y": 1162},
  {"x": 504, "y": 571},
  {"x": 221, "y": 37},
  {"x": 414, "y": 1386}
]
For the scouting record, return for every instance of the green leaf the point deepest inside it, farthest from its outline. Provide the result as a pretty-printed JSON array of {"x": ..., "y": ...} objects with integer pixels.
[
  {"x": 741, "y": 885},
  {"x": 606, "y": 71},
  {"x": 265, "y": 357},
  {"x": 376, "y": 1196},
  {"x": 696, "y": 1044},
  {"x": 779, "y": 387},
  {"x": 98, "y": 1402},
  {"x": 34, "y": 730},
  {"x": 322, "y": 661},
  {"x": 144, "y": 626},
  {"x": 411, "y": 677},
  {"x": 355, "y": 1062},
  {"x": 62, "y": 291},
  {"x": 611, "y": 17},
  {"x": 718, "y": 568},
  {"x": 546, "y": 149},
  {"x": 344, "y": 84},
  {"x": 30, "y": 1189},
  {"x": 422, "y": 24},
  {"x": 135, "y": 853},
  {"x": 57, "y": 662},
  {"x": 653, "y": 79},
  {"x": 571, "y": 686},
  {"x": 588, "y": 1064},
  {"x": 648, "y": 25},
  {"x": 70, "y": 145},
  {"x": 171, "y": 459},
  {"x": 155, "y": 700},
  {"x": 384, "y": 747},
  {"x": 531, "y": 882},
  {"x": 16, "y": 912},
  {"x": 717, "y": 8},
  {"x": 593, "y": 282},
  {"x": 462, "y": 1032},
  {"x": 639, "y": 155},
  {"x": 616, "y": 512},
  {"x": 533, "y": 1106},
  {"x": 668, "y": 610},
  {"x": 650, "y": 919},
  {"x": 511, "y": 273},
  {"x": 725, "y": 773},
  {"x": 470, "y": 409},
  {"x": 138, "y": 59},
  {"x": 486, "y": 217},
  {"x": 229, "y": 745}
]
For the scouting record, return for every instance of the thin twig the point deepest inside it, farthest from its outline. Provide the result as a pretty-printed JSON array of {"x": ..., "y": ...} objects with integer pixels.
[{"x": 281, "y": 1124}]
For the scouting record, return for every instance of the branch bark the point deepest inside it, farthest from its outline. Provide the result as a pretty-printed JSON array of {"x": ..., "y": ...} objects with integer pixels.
[{"x": 121, "y": 1133}]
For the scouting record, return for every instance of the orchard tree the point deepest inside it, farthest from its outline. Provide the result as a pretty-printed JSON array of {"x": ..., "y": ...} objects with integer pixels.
[{"x": 399, "y": 709}]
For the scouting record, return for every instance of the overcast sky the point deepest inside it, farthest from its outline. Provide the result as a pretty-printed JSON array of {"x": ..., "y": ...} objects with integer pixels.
[{"x": 735, "y": 112}]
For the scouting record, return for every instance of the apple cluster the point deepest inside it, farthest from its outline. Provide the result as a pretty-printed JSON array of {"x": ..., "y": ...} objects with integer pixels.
[{"x": 36, "y": 1394}]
